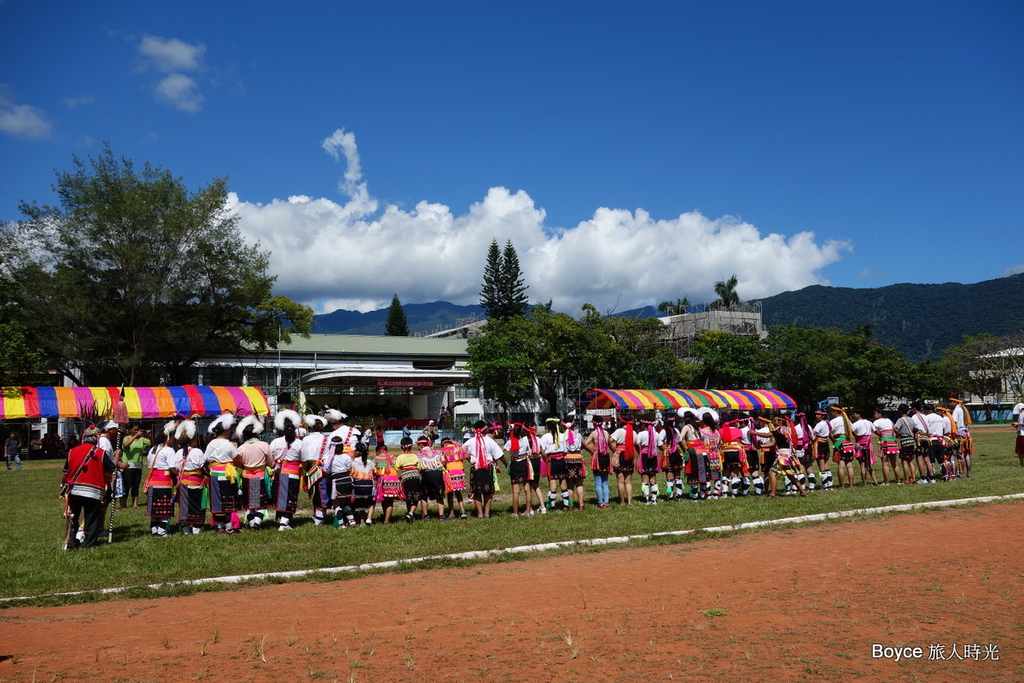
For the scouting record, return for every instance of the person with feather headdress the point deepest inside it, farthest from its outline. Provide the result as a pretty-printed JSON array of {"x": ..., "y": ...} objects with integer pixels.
[
  {"x": 192, "y": 485},
  {"x": 164, "y": 466},
  {"x": 220, "y": 460},
  {"x": 316, "y": 462},
  {"x": 286, "y": 452},
  {"x": 844, "y": 445},
  {"x": 254, "y": 461}
]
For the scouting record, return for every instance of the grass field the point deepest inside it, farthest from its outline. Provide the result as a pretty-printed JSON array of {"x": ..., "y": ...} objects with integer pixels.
[{"x": 31, "y": 529}]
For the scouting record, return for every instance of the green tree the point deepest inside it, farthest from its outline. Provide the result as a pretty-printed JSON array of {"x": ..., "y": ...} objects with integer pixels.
[
  {"x": 726, "y": 291},
  {"x": 396, "y": 325},
  {"x": 135, "y": 277},
  {"x": 503, "y": 293},
  {"x": 502, "y": 360},
  {"x": 730, "y": 361}
]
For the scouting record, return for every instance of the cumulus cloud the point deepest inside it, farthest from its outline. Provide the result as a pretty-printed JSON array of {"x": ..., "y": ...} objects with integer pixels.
[
  {"x": 1013, "y": 270},
  {"x": 172, "y": 57},
  {"x": 22, "y": 120},
  {"x": 171, "y": 54},
  {"x": 355, "y": 254},
  {"x": 181, "y": 91}
]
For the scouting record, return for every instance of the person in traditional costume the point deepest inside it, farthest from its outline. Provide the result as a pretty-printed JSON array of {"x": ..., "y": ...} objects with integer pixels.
[
  {"x": 520, "y": 472},
  {"x": 553, "y": 449},
  {"x": 844, "y": 445},
  {"x": 484, "y": 454},
  {"x": 888, "y": 446},
  {"x": 650, "y": 444},
  {"x": 961, "y": 417},
  {"x": 363, "y": 493},
  {"x": 672, "y": 461},
  {"x": 286, "y": 452},
  {"x": 623, "y": 444},
  {"x": 822, "y": 448},
  {"x": 786, "y": 463},
  {"x": 193, "y": 482},
  {"x": 343, "y": 440},
  {"x": 220, "y": 462},
  {"x": 734, "y": 460},
  {"x": 84, "y": 488},
  {"x": 598, "y": 444},
  {"x": 905, "y": 433},
  {"x": 255, "y": 464},
  {"x": 455, "y": 474},
  {"x": 862, "y": 433},
  {"x": 316, "y": 455},
  {"x": 575, "y": 465},
  {"x": 408, "y": 466},
  {"x": 803, "y": 448},
  {"x": 712, "y": 439},
  {"x": 164, "y": 466},
  {"x": 389, "y": 484},
  {"x": 950, "y": 458},
  {"x": 938, "y": 428},
  {"x": 431, "y": 464},
  {"x": 538, "y": 467}
]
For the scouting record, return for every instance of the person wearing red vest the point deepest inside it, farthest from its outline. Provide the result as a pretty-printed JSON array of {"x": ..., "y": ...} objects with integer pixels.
[{"x": 85, "y": 484}]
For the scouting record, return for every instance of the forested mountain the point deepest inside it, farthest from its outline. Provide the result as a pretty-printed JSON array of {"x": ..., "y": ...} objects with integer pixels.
[{"x": 919, "y": 320}]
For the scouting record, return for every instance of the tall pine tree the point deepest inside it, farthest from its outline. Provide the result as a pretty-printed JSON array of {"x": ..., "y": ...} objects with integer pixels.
[
  {"x": 396, "y": 325},
  {"x": 503, "y": 294}
]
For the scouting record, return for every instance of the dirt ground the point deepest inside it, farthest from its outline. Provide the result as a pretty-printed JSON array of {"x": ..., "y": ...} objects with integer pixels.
[{"x": 800, "y": 604}]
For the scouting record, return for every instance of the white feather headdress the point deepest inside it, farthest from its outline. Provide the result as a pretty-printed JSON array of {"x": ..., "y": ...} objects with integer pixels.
[
  {"x": 335, "y": 415},
  {"x": 286, "y": 417},
  {"x": 313, "y": 420},
  {"x": 252, "y": 422},
  {"x": 186, "y": 431},
  {"x": 222, "y": 423},
  {"x": 169, "y": 427}
]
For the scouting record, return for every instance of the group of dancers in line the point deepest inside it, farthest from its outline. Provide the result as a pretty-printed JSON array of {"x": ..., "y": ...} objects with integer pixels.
[{"x": 697, "y": 454}]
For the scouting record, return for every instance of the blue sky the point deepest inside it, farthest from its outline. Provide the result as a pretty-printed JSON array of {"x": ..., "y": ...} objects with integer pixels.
[{"x": 633, "y": 152}]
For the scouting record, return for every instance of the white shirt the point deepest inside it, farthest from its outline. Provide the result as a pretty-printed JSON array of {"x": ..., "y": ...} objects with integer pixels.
[
  {"x": 492, "y": 451},
  {"x": 166, "y": 459},
  {"x": 348, "y": 436},
  {"x": 281, "y": 451},
  {"x": 548, "y": 445},
  {"x": 882, "y": 425},
  {"x": 961, "y": 421},
  {"x": 836, "y": 425},
  {"x": 937, "y": 425},
  {"x": 642, "y": 436},
  {"x": 221, "y": 450},
  {"x": 310, "y": 448},
  {"x": 194, "y": 461},
  {"x": 822, "y": 430}
]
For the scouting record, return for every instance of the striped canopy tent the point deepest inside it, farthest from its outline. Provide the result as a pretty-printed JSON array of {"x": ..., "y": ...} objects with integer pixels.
[
  {"x": 142, "y": 402},
  {"x": 661, "y": 399}
]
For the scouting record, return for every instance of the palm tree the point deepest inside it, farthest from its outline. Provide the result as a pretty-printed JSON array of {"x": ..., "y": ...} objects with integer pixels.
[
  {"x": 678, "y": 307},
  {"x": 726, "y": 291}
]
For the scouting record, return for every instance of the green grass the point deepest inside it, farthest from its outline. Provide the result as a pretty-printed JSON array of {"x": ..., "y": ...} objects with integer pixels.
[{"x": 31, "y": 530}]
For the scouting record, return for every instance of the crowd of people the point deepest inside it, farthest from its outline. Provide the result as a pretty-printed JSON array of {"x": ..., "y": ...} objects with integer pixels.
[{"x": 232, "y": 479}]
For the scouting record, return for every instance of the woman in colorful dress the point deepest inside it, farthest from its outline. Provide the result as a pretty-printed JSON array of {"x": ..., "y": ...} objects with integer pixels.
[
  {"x": 696, "y": 462},
  {"x": 431, "y": 464},
  {"x": 538, "y": 468},
  {"x": 575, "y": 465},
  {"x": 341, "y": 478},
  {"x": 363, "y": 493},
  {"x": 786, "y": 462},
  {"x": 623, "y": 443},
  {"x": 672, "y": 460},
  {"x": 408, "y": 466},
  {"x": 254, "y": 461},
  {"x": 286, "y": 452},
  {"x": 649, "y": 443},
  {"x": 163, "y": 470},
  {"x": 520, "y": 471},
  {"x": 389, "y": 485},
  {"x": 192, "y": 483},
  {"x": 220, "y": 461},
  {"x": 553, "y": 451},
  {"x": 455, "y": 474}
]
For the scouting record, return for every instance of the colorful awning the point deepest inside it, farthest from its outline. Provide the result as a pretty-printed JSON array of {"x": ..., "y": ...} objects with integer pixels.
[
  {"x": 142, "y": 402},
  {"x": 660, "y": 399}
]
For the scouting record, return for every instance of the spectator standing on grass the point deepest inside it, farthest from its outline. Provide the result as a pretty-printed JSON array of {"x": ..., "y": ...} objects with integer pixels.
[
  {"x": 135, "y": 445},
  {"x": 12, "y": 447}
]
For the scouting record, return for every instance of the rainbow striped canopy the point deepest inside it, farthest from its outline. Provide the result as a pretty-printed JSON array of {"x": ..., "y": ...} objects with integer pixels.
[
  {"x": 142, "y": 402},
  {"x": 655, "y": 399}
]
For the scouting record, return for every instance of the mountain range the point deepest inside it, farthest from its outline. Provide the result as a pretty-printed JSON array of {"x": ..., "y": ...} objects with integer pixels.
[{"x": 919, "y": 320}]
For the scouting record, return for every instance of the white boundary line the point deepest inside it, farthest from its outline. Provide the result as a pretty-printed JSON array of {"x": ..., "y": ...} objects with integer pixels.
[{"x": 540, "y": 547}]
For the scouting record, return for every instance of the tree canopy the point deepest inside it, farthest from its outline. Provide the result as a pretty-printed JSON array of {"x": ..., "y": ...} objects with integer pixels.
[
  {"x": 132, "y": 278},
  {"x": 396, "y": 324},
  {"x": 503, "y": 292}
]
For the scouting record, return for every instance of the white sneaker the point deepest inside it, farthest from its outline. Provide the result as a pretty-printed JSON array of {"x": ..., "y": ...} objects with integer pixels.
[
  {"x": 543, "y": 510},
  {"x": 284, "y": 527},
  {"x": 80, "y": 536}
]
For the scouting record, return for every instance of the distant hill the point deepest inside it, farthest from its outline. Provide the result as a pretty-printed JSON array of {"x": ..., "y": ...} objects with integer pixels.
[
  {"x": 424, "y": 318},
  {"x": 919, "y": 320}
]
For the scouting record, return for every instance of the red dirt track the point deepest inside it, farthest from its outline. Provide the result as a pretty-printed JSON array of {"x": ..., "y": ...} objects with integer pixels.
[{"x": 801, "y": 604}]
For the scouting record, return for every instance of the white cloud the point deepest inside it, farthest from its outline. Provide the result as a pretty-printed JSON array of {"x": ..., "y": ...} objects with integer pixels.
[
  {"x": 23, "y": 120},
  {"x": 172, "y": 57},
  {"x": 181, "y": 91},
  {"x": 1013, "y": 270},
  {"x": 350, "y": 255},
  {"x": 171, "y": 54},
  {"x": 870, "y": 272},
  {"x": 74, "y": 102}
]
